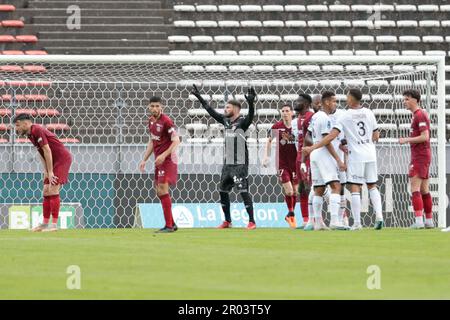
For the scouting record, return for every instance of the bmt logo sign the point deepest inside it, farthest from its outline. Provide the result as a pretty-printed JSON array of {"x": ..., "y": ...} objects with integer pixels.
[
  {"x": 183, "y": 217},
  {"x": 26, "y": 217}
]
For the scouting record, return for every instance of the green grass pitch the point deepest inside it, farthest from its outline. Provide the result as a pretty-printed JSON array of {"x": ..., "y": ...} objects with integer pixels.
[{"x": 225, "y": 264}]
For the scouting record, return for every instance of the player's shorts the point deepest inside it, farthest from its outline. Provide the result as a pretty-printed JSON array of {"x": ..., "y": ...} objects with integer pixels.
[
  {"x": 61, "y": 169},
  {"x": 234, "y": 175},
  {"x": 166, "y": 173},
  {"x": 287, "y": 174},
  {"x": 362, "y": 172},
  {"x": 420, "y": 168},
  {"x": 324, "y": 170},
  {"x": 342, "y": 176}
]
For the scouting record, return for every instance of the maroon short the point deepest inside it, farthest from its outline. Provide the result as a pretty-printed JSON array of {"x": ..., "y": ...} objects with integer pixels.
[
  {"x": 61, "y": 169},
  {"x": 288, "y": 175},
  {"x": 301, "y": 176},
  {"x": 166, "y": 173},
  {"x": 420, "y": 168}
]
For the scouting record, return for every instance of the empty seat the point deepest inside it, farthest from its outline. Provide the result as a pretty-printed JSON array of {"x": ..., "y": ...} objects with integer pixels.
[
  {"x": 192, "y": 68},
  {"x": 435, "y": 53},
  {"x": 319, "y": 52},
  {"x": 294, "y": 8},
  {"x": 184, "y": 8},
  {"x": 178, "y": 39},
  {"x": 226, "y": 53},
  {"x": 382, "y": 97},
  {"x": 69, "y": 140},
  {"x": 294, "y": 38},
  {"x": 365, "y": 52},
  {"x": 339, "y": 8},
  {"x": 295, "y": 23},
  {"x": 206, "y": 24},
  {"x": 361, "y": 8},
  {"x": 318, "y": 24},
  {"x": 445, "y": 23},
  {"x": 29, "y": 112},
  {"x": 249, "y": 53},
  {"x": 428, "y": 8},
  {"x": 206, "y": 8},
  {"x": 286, "y": 68},
  {"x": 429, "y": 24},
  {"x": 273, "y": 8},
  {"x": 283, "y": 83},
  {"x": 317, "y": 8},
  {"x": 273, "y": 24},
  {"x": 7, "y": 8},
  {"x": 340, "y": 24},
  {"x": 317, "y": 38},
  {"x": 384, "y": 24},
  {"x": 407, "y": 23},
  {"x": 340, "y": 39},
  {"x": 215, "y": 68},
  {"x": 5, "y": 112},
  {"x": 403, "y": 68},
  {"x": 363, "y": 24},
  {"x": 12, "y": 24},
  {"x": 34, "y": 69},
  {"x": 383, "y": 112},
  {"x": 386, "y": 39},
  {"x": 267, "y": 112},
  {"x": 356, "y": 68},
  {"x": 4, "y": 127},
  {"x": 36, "y": 52},
  {"x": 433, "y": 39},
  {"x": 224, "y": 39},
  {"x": 47, "y": 112},
  {"x": 13, "y": 52},
  {"x": 263, "y": 68},
  {"x": 8, "y": 68},
  {"x": 27, "y": 39},
  {"x": 251, "y": 8},
  {"x": 354, "y": 82},
  {"x": 377, "y": 83},
  {"x": 409, "y": 38},
  {"x": 308, "y": 83},
  {"x": 207, "y": 97},
  {"x": 383, "y": 7},
  {"x": 7, "y": 38},
  {"x": 333, "y": 68},
  {"x": 251, "y": 23},
  {"x": 272, "y": 52},
  {"x": 248, "y": 39},
  {"x": 197, "y": 112},
  {"x": 271, "y": 39},
  {"x": 268, "y": 97},
  {"x": 364, "y": 38},
  {"x": 228, "y": 24},
  {"x": 184, "y": 24},
  {"x": 179, "y": 53},
  {"x": 203, "y": 53},
  {"x": 342, "y": 52},
  {"x": 330, "y": 83},
  {"x": 388, "y": 53},
  {"x": 228, "y": 8},
  {"x": 202, "y": 39},
  {"x": 309, "y": 68},
  {"x": 295, "y": 52},
  {"x": 288, "y": 97},
  {"x": 405, "y": 7}
]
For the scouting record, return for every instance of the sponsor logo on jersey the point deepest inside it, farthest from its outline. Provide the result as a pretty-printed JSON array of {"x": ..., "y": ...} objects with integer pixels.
[{"x": 155, "y": 137}]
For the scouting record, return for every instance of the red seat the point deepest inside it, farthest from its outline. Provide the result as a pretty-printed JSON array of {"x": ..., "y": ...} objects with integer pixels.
[
  {"x": 69, "y": 140},
  {"x": 30, "y": 112},
  {"x": 4, "y": 127},
  {"x": 40, "y": 83},
  {"x": 7, "y": 38},
  {"x": 7, "y": 8},
  {"x": 23, "y": 140},
  {"x": 3, "y": 140},
  {"x": 57, "y": 126},
  {"x": 11, "y": 68},
  {"x": 17, "y": 83},
  {"x": 5, "y": 112},
  {"x": 27, "y": 39},
  {"x": 13, "y": 24},
  {"x": 36, "y": 97},
  {"x": 48, "y": 112},
  {"x": 36, "y": 52},
  {"x": 2, "y": 83},
  {"x": 34, "y": 69},
  {"x": 13, "y": 52}
]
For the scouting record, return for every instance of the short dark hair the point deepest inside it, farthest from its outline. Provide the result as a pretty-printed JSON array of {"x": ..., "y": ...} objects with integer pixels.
[
  {"x": 327, "y": 94},
  {"x": 155, "y": 99},
  {"x": 235, "y": 103},
  {"x": 287, "y": 105},
  {"x": 356, "y": 93},
  {"x": 412, "y": 93},
  {"x": 22, "y": 116},
  {"x": 306, "y": 96}
]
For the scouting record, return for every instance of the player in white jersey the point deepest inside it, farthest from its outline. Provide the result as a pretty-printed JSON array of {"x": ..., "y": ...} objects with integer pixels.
[
  {"x": 325, "y": 164},
  {"x": 361, "y": 131}
]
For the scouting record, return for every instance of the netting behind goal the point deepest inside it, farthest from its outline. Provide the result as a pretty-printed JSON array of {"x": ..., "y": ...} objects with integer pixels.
[{"x": 100, "y": 108}]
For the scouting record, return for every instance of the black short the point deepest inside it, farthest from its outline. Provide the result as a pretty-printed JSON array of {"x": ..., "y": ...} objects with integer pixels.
[{"x": 234, "y": 175}]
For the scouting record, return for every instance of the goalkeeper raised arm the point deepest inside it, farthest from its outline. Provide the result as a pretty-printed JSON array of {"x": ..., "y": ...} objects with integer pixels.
[{"x": 235, "y": 167}]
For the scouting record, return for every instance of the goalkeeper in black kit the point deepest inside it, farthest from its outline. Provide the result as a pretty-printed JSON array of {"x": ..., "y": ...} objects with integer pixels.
[{"x": 235, "y": 167}]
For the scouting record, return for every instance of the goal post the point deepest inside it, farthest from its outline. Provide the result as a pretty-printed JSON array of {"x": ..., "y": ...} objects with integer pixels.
[{"x": 100, "y": 102}]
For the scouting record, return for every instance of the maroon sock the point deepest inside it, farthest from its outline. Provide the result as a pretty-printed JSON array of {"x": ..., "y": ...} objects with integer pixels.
[
  {"x": 55, "y": 204},
  {"x": 288, "y": 201},
  {"x": 46, "y": 209},
  {"x": 427, "y": 205},
  {"x": 417, "y": 204},
  {"x": 166, "y": 204},
  {"x": 304, "y": 205},
  {"x": 293, "y": 202}
]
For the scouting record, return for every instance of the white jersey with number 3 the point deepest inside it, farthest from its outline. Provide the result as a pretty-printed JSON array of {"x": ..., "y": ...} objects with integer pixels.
[{"x": 358, "y": 126}]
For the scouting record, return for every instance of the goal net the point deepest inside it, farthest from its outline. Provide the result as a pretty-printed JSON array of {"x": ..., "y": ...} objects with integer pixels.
[{"x": 98, "y": 106}]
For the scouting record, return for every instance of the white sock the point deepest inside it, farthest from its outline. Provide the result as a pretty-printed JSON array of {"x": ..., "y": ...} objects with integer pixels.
[
  {"x": 356, "y": 208},
  {"x": 335, "y": 204},
  {"x": 317, "y": 207},
  {"x": 419, "y": 220},
  {"x": 310, "y": 206},
  {"x": 375, "y": 198},
  {"x": 429, "y": 221},
  {"x": 342, "y": 209}
]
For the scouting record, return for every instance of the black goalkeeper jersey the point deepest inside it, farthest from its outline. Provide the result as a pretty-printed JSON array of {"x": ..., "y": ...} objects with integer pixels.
[{"x": 235, "y": 147}]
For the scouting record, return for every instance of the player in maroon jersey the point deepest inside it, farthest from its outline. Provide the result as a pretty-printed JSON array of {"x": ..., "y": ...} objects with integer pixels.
[
  {"x": 163, "y": 143},
  {"x": 304, "y": 114},
  {"x": 285, "y": 159},
  {"x": 419, "y": 140},
  {"x": 56, "y": 161}
]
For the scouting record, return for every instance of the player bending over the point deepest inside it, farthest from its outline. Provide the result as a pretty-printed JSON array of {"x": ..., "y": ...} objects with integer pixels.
[
  {"x": 325, "y": 165},
  {"x": 285, "y": 159},
  {"x": 56, "y": 161},
  {"x": 300, "y": 125},
  {"x": 419, "y": 167},
  {"x": 235, "y": 168},
  {"x": 361, "y": 130},
  {"x": 163, "y": 143}
]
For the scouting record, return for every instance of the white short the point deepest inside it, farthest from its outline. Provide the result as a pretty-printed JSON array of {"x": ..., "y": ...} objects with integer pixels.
[
  {"x": 323, "y": 170},
  {"x": 362, "y": 172}
]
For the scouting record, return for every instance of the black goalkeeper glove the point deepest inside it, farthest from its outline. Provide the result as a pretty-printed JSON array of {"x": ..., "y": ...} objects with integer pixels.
[{"x": 250, "y": 96}]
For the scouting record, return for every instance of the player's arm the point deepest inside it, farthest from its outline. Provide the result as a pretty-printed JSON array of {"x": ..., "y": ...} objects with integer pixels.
[
  {"x": 171, "y": 149},
  {"x": 334, "y": 154},
  {"x": 267, "y": 150},
  {"x": 213, "y": 113},
  {"x": 375, "y": 135},
  {"x": 49, "y": 164},
  {"x": 147, "y": 154},
  {"x": 307, "y": 141},
  {"x": 424, "y": 136},
  {"x": 325, "y": 141},
  {"x": 250, "y": 97}
]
